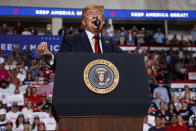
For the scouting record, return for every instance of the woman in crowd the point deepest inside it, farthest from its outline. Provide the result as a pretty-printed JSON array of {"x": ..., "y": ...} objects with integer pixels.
[
  {"x": 19, "y": 124},
  {"x": 27, "y": 110},
  {"x": 36, "y": 123},
  {"x": 28, "y": 79},
  {"x": 182, "y": 125},
  {"x": 41, "y": 126},
  {"x": 171, "y": 111}
]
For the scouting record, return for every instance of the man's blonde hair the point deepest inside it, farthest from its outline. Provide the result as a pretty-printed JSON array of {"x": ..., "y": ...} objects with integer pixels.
[{"x": 99, "y": 7}]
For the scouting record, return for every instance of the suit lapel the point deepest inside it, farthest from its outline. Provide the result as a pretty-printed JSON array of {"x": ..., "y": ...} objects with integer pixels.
[{"x": 86, "y": 42}]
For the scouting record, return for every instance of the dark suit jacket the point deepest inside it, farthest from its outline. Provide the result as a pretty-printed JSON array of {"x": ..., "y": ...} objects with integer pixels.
[{"x": 81, "y": 43}]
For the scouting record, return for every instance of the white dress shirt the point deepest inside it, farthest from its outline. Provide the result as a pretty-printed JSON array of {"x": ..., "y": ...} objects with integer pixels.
[{"x": 92, "y": 40}]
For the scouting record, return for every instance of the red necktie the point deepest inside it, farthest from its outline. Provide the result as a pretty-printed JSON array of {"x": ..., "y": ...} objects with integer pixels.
[{"x": 97, "y": 48}]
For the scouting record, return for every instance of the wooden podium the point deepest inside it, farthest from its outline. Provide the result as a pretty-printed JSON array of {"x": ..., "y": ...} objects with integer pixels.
[
  {"x": 101, "y": 123},
  {"x": 80, "y": 109}
]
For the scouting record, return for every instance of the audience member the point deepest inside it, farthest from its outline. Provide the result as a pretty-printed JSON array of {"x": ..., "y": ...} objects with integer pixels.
[
  {"x": 2, "y": 119},
  {"x": 163, "y": 91},
  {"x": 159, "y": 37},
  {"x": 158, "y": 126},
  {"x": 18, "y": 29}
]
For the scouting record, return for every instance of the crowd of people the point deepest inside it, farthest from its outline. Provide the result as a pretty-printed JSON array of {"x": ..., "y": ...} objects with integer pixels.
[
  {"x": 26, "y": 86},
  {"x": 169, "y": 111},
  {"x": 131, "y": 36}
]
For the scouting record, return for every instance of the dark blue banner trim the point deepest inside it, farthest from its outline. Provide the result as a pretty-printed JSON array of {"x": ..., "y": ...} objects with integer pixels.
[{"x": 76, "y": 13}]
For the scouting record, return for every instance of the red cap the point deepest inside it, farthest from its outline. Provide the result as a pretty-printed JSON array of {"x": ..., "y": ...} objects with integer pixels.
[
  {"x": 42, "y": 123},
  {"x": 183, "y": 101},
  {"x": 9, "y": 122},
  {"x": 160, "y": 82}
]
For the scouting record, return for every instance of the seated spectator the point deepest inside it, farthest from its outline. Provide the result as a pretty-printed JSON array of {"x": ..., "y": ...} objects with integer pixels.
[
  {"x": 35, "y": 72},
  {"x": 122, "y": 36},
  {"x": 2, "y": 106},
  {"x": 140, "y": 37},
  {"x": 41, "y": 77},
  {"x": 182, "y": 42},
  {"x": 37, "y": 83},
  {"x": 27, "y": 126},
  {"x": 14, "y": 85},
  {"x": 148, "y": 38},
  {"x": 174, "y": 40},
  {"x": 9, "y": 126},
  {"x": 27, "y": 110},
  {"x": 20, "y": 73},
  {"x": 4, "y": 91},
  {"x": 45, "y": 89},
  {"x": 28, "y": 53},
  {"x": 157, "y": 100},
  {"x": 182, "y": 125},
  {"x": 33, "y": 30},
  {"x": 110, "y": 30},
  {"x": 28, "y": 92},
  {"x": 163, "y": 121},
  {"x": 50, "y": 122},
  {"x": 50, "y": 99},
  {"x": 48, "y": 31},
  {"x": 162, "y": 73},
  {"x": 44, "y": 104},
  {"x": 163, "y": 91},
  {"x": 70, "y": 30},
  {"x": 28, "y": 79},
  {"x": 185, "y": 111},
  {"x": 36, "y": 122},
  {"x": 174, "y": 125},
  {"x": 176, "y": 102},
  {"x": 62, "y": 31},
  {"x": 13, "y": 114},
  {"x": 4, "y": 29},
  {"x": 158, "y": 126},
  {"x": 171, "y": 111},
  {"x": 4, "y": 74},
  {"x": 151, "y": 115},
  {"x": 159, "y": 37},
  {"x": 18, "y": 28},
  {"x": 188, "y": 99},
  {"x": 146, "y": 125},
  {"x": 2, "y": 119},
  {"x": 16, "y": 52},
  {"x": 192, "y": 122},
  {"x": 130, "y": 40},
  {"x": 26, "y": 31},
  {"x": 9, "y": 65},
  {"x": 19, "y": 124},
  {"x": 162, "y": 112},
  {"x": 35, "y": 98},
  {"x": 42, "y": 126},
  {"x": 187, "y": 90}
]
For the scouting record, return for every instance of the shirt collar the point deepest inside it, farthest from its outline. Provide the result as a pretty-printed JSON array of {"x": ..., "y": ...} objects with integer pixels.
[{"x": 89, "y": 34}]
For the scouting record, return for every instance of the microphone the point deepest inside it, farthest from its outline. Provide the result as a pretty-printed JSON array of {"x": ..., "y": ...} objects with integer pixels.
[{"x": 97, "y": 22}]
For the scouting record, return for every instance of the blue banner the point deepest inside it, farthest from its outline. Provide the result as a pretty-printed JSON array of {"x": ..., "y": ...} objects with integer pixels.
[
  {"x": 7, "y": 42},
  {"x": 108, "y": 13}
]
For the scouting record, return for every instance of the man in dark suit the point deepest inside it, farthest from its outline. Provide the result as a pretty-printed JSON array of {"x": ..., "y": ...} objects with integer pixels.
[{"x": 86, "y": 41}]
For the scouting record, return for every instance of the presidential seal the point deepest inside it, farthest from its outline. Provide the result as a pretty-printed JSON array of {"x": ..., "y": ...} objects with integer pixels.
[{"x": 101, "y": 76}]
